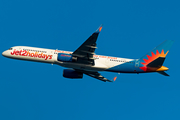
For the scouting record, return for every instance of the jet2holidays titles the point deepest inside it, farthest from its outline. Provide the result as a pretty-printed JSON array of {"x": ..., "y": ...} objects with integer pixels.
[{"x": 27, "y": 53}]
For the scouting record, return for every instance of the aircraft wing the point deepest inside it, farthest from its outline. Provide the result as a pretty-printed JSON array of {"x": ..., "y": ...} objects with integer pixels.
[
  {"x": 84, "y": 54},
  {"x": 96, "y": 75}
]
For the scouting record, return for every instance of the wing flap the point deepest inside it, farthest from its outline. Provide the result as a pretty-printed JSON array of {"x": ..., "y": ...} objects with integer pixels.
[
  {"x": 98, "y": 76},
  {"x": 88, "y": 52},
  {"x": 91, "y": 46},
  {"x": 95, "y": 75}
]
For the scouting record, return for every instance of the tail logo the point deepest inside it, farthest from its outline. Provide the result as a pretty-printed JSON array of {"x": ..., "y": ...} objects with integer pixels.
[{"x": 152, "y": 58}]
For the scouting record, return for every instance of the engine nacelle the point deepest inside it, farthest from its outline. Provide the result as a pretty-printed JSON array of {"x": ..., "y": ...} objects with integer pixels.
[
  {"x": 69, "y": 73},
  {"x": 64, "y": 57}
]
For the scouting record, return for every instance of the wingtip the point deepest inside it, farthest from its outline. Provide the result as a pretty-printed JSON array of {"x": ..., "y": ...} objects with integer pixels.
[
  {"x": 114, "y": 79},
  {"x": 99, "y": 29}
]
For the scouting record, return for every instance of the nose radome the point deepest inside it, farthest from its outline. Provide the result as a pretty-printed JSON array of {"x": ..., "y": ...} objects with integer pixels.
[{"x": 4, "y": 53}]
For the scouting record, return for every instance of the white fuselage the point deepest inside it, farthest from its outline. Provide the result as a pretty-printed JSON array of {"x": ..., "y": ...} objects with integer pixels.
[{"x": 50, "y": 56}]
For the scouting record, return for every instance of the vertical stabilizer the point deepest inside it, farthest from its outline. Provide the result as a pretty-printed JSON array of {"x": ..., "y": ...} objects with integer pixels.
[{"x": 154, "y": 60}]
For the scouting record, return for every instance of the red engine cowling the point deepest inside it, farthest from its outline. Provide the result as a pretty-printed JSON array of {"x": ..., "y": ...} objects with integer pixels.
[{"x": 70, "y": 73}]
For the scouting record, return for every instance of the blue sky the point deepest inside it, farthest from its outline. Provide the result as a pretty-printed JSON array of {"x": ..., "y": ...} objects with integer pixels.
[{"x": 30, "y": 90}]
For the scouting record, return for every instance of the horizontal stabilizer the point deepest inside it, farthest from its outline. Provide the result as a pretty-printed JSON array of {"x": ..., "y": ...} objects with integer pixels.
[
  {"x": 157, "y": 62},
  {"x": 163, "y": 73}
]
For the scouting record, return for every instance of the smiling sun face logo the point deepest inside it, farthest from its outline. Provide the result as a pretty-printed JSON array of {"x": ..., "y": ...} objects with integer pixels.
[{"x": 152, "y": 58}]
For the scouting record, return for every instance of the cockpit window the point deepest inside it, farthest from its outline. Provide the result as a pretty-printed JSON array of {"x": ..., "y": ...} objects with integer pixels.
[{"x": 10, "y": 48}]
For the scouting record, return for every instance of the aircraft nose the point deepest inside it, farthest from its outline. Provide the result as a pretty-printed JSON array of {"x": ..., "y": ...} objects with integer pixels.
[{"x": 4, "y": 53}]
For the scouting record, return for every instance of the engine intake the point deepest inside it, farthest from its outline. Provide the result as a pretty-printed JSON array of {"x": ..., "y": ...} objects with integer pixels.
[{"x": 70, "y": 73}]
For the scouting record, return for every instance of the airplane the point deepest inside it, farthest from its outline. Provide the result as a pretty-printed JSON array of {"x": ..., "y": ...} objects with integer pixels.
[{"x": 84, "y": 60}]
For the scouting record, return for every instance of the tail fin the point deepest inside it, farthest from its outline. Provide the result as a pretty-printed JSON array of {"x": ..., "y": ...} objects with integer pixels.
[{"x": 154, "y": 60}]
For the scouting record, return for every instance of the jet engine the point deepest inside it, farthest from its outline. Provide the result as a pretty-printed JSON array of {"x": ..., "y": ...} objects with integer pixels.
[
  {"x": 66, "y": 57},
  {"x": 70, "y": 73}
]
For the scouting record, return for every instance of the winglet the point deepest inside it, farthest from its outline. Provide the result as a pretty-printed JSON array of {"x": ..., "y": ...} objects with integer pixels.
[
  {"x": 115, "y": 78},
  {"x": 112, "y": 80},
  {"x": 99, "y": 29}
]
